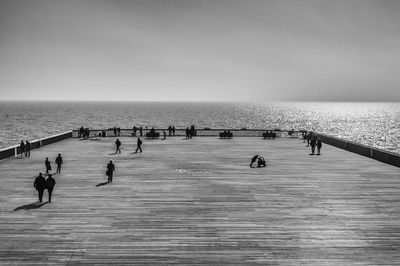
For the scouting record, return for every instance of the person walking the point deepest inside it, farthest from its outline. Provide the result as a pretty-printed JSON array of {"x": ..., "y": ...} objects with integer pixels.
[
  {"x": 50, "y": 183},
  {"x": 48, "y": 165},
  {"x": 319, "y": 145},
  {"x": 40, "y": 185},
  {"x": 27, "y": 148},
  {"x": 139, "y": 145},
  {"x": 59, "y": 162},
  {"x": 22, "y": 147},
  {"x": 118, "y": 145},
  {"x": 312, "y": 144},
  {"x": 110, "y": 171}
]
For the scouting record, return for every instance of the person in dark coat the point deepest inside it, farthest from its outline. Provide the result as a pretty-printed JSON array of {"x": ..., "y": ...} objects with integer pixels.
[
  {"x": 313, "y": 142},
  {"x": 110, "y": 171},
  {"x": 59, "y": 162},
  {"x": 141, "y": 131},
  {"x": 139, "y": 145},
  {"x": 319, "y": 145},
  {"x": 118, "y": 145},
  {"x": 48, "y": 165},
  {"x": 27, "y": 148},
  {"x": 253, "y": 160},
  {"x": 50, "y": 183},
  {"x": 40, "y": 185},
  {"x": 22, "y": 147}
]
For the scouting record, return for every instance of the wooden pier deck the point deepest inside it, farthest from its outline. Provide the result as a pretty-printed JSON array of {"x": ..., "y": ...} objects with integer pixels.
[{"x": 198, "y": 202}]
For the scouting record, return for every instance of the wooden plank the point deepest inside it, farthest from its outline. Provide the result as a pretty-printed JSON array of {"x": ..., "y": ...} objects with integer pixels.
[{"x": 198, "y": 202}]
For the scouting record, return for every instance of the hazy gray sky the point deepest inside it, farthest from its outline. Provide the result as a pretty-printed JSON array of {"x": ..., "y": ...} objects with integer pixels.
[{"x": 195, "y": 50}]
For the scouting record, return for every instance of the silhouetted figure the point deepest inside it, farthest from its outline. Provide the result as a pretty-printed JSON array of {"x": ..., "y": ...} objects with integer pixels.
[
  {"x": 110, "y": 171},
  {"x": 165, "y": 135},
  {"x": 187, "y": 131},
  {"x": 40, "y": 185},
  {"x": 50, "y": 183},
  {"x": 192, "y": 131},
  {"x": 319, "y": 145},
  {"x": 304, "y": 135},
  {"x": 253, "y": 160},
  {"x": 261, "y": 162},
  {"x": 313, "y": 142},
  {"x": 141, "y": 131},
  {"x": 22, "y": 147},
  {"x": 81, "y": 132},
  {"x": 119, "y": 131},
  {"x": 118, "y": 145},
  {"x": 309, "y": 136},
  {"x": 59, "y": 162},
  {"x": 139, "y": 145},
  {"x": 27, "y": 148},
  {"x": 170, "y": 130},
  {"x": 134, "y": 131},
  {"x": 173, "y": 130},
  {"x": 48, "y": 165}
]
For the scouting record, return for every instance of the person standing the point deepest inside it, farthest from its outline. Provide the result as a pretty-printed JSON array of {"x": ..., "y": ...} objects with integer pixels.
[
  {"x": 141, "y": 131},
  {"x": 59, "y": 162},
  {"x": 110, "y": 171},
  {"x": 27, "y": 148},
  {"x": 40, "y": 185},
  {"x": 319, "y": 145},
  {"x": 139, "y": 145},
  {"x": 118, "y": 145},
  {"x": 165, "y": 135},
  {"x": 22, "y": 147},
  {"x": 48, "y": 165},
  {"x": 50, "y": 183}
]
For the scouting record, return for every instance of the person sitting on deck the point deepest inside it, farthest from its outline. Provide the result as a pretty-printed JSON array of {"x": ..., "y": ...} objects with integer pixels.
[
  {"x": 261, "y": 162},
  {"x": 253, "y": 160}
]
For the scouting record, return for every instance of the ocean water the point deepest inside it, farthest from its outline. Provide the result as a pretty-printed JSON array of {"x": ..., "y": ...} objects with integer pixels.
[{"x": 375, "y": 124}]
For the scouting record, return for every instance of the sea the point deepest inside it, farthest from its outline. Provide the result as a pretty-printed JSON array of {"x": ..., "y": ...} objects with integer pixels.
[{"x": 371, "y": 123}]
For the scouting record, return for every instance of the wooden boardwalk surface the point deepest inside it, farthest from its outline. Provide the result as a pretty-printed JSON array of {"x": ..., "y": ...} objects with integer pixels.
[{"x": 198, "y": 202}]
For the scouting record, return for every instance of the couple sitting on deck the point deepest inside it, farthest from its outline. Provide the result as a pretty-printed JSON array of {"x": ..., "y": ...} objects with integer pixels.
[{"x": 260, "y": 161}]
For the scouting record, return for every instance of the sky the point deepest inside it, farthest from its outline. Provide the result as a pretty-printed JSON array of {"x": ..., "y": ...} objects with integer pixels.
[{"x": 200, "y": 50}]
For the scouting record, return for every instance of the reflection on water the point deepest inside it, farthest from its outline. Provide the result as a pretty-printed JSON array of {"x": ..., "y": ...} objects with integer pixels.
[{"x": 376, "y": 124}]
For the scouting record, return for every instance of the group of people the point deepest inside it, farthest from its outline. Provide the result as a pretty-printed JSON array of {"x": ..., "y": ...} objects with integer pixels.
[
  {"x": 83, "y": 133},
  {"x": 135, "y": 129},
  {"x": 118, "y": 144},
  {"x": 117, "y": 131},
  {"x": 190, "y": 132},
  {"x": 171, "y": 130},
  {"x": 25, "y": 148},
  {"x": 313, "y": 141},
  {"x": 41, "y": 183}
]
